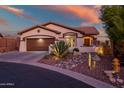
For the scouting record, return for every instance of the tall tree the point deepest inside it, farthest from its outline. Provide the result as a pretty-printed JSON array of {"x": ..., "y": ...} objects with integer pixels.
[{"x": 113, "y": 20}]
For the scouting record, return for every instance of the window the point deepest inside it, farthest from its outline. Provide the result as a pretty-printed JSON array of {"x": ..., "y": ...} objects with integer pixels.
[{"x": 87, "y": 42}]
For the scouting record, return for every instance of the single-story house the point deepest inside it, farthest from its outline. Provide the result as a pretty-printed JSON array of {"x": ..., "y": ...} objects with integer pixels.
[{"x": 40, "y": 37}]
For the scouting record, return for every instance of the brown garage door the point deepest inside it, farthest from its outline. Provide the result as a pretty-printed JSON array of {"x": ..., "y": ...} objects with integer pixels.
[{"x": 36, "y": 44}]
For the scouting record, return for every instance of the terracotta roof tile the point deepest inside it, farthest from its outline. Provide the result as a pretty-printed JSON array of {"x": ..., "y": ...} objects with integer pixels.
[
  {"x": 88, "y": 30},
  {"x": 82, "y": 30}
]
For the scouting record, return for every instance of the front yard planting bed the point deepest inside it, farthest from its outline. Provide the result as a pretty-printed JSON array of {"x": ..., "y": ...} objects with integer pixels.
[{"x": 81, "y": 65}]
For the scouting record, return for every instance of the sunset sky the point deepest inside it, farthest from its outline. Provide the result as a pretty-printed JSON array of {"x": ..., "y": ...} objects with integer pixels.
[{"x": 17, "y": 18}]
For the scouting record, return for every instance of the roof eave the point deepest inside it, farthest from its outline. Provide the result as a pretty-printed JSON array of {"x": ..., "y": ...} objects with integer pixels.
[
  {"x": 44, "y": 24},
  {"x": 20, "y": 33}
]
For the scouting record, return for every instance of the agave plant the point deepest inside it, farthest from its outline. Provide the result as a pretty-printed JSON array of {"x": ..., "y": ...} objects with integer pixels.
[{"x": 60, "y": 49}]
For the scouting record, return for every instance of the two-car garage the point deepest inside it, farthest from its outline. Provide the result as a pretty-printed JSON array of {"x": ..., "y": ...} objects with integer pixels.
[
  {"x": 37, "y": 38},
  {"x": 39, "y": 44}
]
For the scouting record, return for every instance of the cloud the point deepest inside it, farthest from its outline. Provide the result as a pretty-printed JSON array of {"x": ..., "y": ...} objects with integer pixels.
[
  {"x": 3, "y": 21},
  {"x": 85, "y": 12},
  {"x": 98, "y": 6},
  {"x": 17, "y": 12}
]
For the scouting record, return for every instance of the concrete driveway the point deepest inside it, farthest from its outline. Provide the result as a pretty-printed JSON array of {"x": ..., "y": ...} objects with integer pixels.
[{"x": 22, "y": 56}]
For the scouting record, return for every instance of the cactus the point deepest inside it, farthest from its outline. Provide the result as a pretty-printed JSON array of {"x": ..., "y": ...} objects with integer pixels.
[{"x": 60, "y": 49}]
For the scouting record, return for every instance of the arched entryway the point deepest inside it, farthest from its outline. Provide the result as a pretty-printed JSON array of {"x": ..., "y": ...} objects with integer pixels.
[{"x": 70, "y": 38}]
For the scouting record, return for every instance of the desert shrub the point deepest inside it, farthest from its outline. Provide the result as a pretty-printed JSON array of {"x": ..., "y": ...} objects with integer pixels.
[{"x": 60, "y": 49}]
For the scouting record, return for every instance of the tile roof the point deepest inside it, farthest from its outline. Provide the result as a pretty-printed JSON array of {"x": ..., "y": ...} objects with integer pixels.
[
  {"x": 82, "y": 30},
  {"x": 88, "y": 30}
]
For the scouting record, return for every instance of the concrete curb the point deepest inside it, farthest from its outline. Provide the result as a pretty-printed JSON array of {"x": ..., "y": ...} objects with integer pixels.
[{"x": 86, "y": 79}]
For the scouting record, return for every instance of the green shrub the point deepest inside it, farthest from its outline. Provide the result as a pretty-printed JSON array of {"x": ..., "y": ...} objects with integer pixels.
[{"x": 60, "y": 49}]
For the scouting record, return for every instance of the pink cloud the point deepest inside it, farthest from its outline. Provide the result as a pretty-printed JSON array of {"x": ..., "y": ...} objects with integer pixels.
[
  {"x": 17, "y": 11},
  {"x": 85, "y": 12}
]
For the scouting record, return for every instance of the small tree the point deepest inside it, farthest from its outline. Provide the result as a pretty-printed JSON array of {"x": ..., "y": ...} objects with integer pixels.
[
  {"x": 60, "y": 49},
  {"x": 113, "y": 18}
]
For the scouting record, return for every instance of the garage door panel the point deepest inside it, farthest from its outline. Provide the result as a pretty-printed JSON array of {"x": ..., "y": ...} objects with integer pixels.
[{"x": 34, "y": 44}]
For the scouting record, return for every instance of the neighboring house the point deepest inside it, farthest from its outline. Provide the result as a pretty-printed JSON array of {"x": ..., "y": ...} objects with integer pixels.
[
  {"x": 40, "y": 37},
  {"x": 103, "y": 37}
]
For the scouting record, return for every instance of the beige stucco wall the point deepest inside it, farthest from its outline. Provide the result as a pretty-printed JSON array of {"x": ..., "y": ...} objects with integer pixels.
[
  {"x": 23, "y": 43},
  {"x": 42, "y": 32},
  {"x": 65, "y": 30},
  {"x": 62, "y": 30}
]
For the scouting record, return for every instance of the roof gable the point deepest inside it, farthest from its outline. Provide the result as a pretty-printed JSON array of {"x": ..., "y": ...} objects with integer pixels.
[
  {"x": 70, "y": 28},
  {"x": 37, "y": 26}
]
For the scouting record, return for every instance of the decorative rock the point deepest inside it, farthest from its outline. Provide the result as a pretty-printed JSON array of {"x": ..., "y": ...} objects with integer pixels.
[
  {"x": 120, "y": 81},
  {"x": 73, "y": 65},
  {"x": 96, "y": 58},
  {"x": 73, "y": 60},
  {"x": 122, "y": 86},
  {"x": 112, "y": 80}
]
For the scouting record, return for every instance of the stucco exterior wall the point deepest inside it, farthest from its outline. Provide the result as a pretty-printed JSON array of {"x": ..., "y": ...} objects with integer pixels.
[
  {"x": 34, "y": 34},
  {"x": 79, "y": 42},
  {"x": 62, "y": 30},
  {"x": 65, "y": 30},
  {"x": 23, "y": 47}
]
